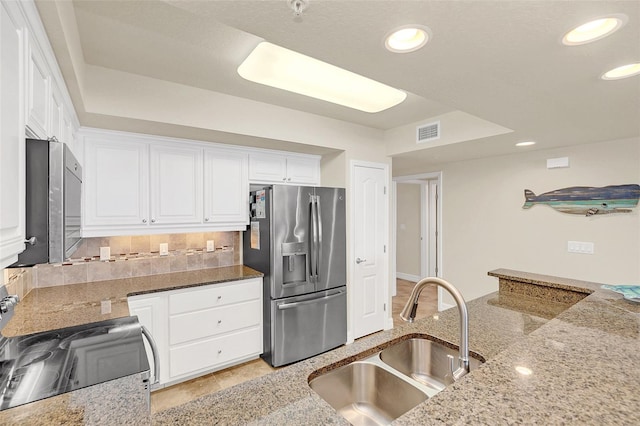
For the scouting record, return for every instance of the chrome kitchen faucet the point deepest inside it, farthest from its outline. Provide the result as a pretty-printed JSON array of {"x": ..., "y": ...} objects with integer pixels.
[{"x": 409, "y": 314}]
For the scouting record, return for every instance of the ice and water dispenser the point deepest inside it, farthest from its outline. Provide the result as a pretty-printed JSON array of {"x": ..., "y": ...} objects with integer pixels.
[{"x": 294, "y": 263}]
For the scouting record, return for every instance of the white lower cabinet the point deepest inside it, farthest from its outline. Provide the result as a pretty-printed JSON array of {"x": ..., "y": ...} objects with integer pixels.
[
  {"x": 203, "y": 329},
  {"x": 151, "y": 310}
]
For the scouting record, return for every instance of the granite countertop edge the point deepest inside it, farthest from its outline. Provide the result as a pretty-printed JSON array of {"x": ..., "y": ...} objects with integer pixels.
[{"x": 570, "y": 284}]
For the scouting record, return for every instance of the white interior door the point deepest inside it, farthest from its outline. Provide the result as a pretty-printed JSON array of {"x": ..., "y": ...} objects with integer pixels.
[{"x": 369, "y": 289}]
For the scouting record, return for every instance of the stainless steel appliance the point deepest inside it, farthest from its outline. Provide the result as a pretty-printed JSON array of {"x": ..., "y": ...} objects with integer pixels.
[
  {"x": 51, "y": 363},
  {"x": 54, "y": 183},
  {"x": 297, "y": 239}
]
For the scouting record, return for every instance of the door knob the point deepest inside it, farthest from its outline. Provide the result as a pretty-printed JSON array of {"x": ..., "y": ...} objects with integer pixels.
[{"x": 359, "y": 261}]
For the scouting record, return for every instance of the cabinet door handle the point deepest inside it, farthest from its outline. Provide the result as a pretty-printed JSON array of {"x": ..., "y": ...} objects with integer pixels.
[
  {"x": 153, "y": 221},
  {"x": 288, "y": 179},
  {"x": 219, "y": 321},
  {"x": 219, "y": 351},
  {"x": 284, "y": 179},
  {"x": 144, "y": 220},
  {"x": 359, "y": 261},
  {"x": 206, "y": 219}
]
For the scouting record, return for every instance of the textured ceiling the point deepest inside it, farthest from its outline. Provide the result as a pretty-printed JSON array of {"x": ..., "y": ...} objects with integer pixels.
[{"x": 501, "y": 61}]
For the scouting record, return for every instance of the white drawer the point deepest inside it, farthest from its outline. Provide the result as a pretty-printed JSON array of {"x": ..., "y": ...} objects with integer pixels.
[
  {"x": 210, "y": 296},
  {"x": 214, "y": 321},
  {"x": 205, "y": 354}
]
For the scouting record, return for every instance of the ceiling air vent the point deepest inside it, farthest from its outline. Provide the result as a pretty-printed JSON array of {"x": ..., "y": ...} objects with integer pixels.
[{"x": 428, "y": 132}]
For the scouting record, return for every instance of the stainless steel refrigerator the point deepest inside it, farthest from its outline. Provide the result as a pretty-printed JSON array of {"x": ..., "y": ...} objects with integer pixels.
[{"x": 297, "y": 239}]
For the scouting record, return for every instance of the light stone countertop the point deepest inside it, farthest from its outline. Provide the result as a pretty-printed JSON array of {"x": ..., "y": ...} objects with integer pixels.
[
  {"x": 584, "y": 361},
  {"x": 584, "y": 365},
  {"x": 50, "y": 308}
]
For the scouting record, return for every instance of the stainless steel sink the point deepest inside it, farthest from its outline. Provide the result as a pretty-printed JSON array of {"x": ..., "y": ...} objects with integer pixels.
[
  {"x": 367, "y": 394},
  {"x": 425, "y": 361}
]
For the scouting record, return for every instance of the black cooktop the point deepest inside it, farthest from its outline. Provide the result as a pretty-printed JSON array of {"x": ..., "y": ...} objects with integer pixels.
[{"x": 46, "y": 364}]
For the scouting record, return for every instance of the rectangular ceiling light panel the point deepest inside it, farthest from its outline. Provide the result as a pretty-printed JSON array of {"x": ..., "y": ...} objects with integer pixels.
[{"x": 285, "y": 69}]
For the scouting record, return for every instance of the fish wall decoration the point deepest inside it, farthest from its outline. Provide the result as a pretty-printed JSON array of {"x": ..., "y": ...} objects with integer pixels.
[{"x": 587, "y": 200}]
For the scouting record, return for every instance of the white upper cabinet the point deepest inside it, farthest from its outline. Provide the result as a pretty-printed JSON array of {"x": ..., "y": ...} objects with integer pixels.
[
  {"x": 38, "y": 93},
  {"x": 284, "y": 168},
  {"x": 12, "y": 145},
  {"x": 226, "y": 187},
  {"x": 267, "y": 168},
  {"x": 176, "y": 185},
  {"x": 303, "y": 170},
  {"x": 116, "y": 183},
  {"x": 141, "y": 184},
  {"x": 33, "y": 103},
  {"x": 57, "y": 111}
]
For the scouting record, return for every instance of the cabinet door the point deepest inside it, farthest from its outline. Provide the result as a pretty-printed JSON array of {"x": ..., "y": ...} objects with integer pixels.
[
  {"x": 226, "y": 187},
  {"x": 116, "y": 183},
  {"x": 303, "y": 170},
  {"x": 152, "y": 313},
  {"x": 38, "y": 93},
  {"x": 267, "y": 168},
  {"x": 12, "y": 160},
  {"x": 176, "y": 185},
  {"x": 56, "y": 112}
]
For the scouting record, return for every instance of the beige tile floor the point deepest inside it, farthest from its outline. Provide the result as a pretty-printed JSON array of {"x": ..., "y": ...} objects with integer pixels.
[{"x": 184, "y": 392}]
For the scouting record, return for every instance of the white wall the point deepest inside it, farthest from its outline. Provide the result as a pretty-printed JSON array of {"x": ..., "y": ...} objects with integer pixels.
[
  {"x": 485, "y": 227},
  {"x": 408, "y": 229}
]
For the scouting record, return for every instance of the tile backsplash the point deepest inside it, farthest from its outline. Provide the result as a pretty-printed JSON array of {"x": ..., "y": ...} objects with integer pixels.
[
  {"x": 18, "y": 281},
  {"x": 139, "y": 255}
]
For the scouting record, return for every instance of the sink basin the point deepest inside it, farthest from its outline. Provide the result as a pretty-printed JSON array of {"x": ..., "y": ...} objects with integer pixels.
[
  {"x": 366, "y": 394},
  {"x": 425, "y": 361}
]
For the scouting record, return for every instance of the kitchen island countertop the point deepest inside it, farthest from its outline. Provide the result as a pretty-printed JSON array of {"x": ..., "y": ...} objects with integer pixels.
[{"x": 582, "y": 365}]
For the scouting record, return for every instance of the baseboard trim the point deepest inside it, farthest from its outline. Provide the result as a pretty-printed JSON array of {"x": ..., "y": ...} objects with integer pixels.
[{"x": 408, "y": 277}]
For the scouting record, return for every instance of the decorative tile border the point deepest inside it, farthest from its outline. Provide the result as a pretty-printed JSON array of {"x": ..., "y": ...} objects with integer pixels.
[{"x": 132, "y": 257}]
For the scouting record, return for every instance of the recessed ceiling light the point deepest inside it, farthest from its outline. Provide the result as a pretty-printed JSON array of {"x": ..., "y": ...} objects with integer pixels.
[
  {"x": 527, "y": 143},
  {"x": 624, "y": 71},
  {"x": 408, "y": 38},
  {"x": 285, "y": 69},
  {"x": 594, "y": 30}
]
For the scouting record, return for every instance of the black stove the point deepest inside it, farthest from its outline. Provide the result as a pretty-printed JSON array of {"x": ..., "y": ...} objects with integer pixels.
[{"x": 50, "y": 363}]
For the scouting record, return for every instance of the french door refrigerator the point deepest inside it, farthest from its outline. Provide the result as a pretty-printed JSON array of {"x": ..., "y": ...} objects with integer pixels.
[{"x": 297, "y": 239}]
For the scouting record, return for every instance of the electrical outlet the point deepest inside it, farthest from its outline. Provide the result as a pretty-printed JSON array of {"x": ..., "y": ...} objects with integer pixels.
[
  {"x": 582, "y": 247},
  {"x": 164, "y": 249},
  {"x": 210, "y": 245},
  {"x": 105, "y": 253},
  {"x": 105, "y": 306}
]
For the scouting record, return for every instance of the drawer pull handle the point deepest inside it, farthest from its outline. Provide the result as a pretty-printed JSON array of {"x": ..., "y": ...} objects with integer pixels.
[
  {"x": 219, "y": 351},
  {"x": 219, "y": 297},
  {"x": 219, "y": 321}
]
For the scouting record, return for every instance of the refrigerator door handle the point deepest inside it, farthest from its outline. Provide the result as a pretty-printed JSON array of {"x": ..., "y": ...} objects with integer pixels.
[
  {"x": 314, "y": 240},
  {"x": 318, "y": 238},
  {"x": 309, "y": 302}
]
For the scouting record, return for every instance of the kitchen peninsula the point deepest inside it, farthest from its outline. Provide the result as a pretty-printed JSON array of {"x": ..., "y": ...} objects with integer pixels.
[{"x": 581, "y": 363}]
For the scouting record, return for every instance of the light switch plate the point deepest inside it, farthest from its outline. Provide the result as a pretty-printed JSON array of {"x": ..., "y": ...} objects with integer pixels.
[
  {"x": 105, "y": 253},
  {"x": 164, "y": 249},
  {"x": 582, "y": 247},
  {"x": 210, "y": 245},
  {"x": 557, "y": 163}
]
